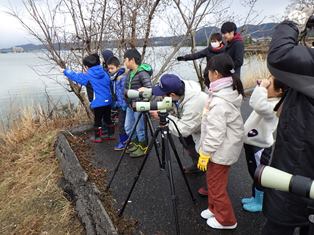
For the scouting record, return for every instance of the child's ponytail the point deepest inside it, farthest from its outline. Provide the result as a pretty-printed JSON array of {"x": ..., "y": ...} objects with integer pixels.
[{"x": 237, "y": 84}]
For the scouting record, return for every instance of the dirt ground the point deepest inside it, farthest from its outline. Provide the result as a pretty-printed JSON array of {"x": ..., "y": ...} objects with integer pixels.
[{"x": 82, "y": 147}]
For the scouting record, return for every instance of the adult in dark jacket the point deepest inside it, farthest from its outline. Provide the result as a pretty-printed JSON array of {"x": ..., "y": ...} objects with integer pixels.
[
  {"x": 235, "y": 46},
  {"x": 215, "y": 47},
  {"x": 292, "y": 64}
]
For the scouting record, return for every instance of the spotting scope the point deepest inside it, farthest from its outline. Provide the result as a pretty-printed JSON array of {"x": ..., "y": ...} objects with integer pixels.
[{"x": 271, "y": 177}]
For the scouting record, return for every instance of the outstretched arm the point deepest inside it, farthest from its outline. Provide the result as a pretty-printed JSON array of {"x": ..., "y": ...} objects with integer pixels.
[{"x": 80, "y": 78}]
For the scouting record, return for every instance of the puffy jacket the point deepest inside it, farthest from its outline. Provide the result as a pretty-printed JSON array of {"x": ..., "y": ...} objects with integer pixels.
[
  {"x": 118, "y": 80},
  {"x": 222, "y": 127},
  {"x": 139, "y": 78},
  {"x": 262, "y": 122},
  {"x": 99, "y": 81},
  {"x": 208, "y": 52},
  {"x": 189, "y": 113},
  {"x": 235, "y": 49},
  {"x": 292, "y": 64}
]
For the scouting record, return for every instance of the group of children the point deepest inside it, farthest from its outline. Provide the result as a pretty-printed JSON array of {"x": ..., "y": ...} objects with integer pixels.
[
  {"x": 106, "y": 85},
  {"x": 223, "y": 133}
]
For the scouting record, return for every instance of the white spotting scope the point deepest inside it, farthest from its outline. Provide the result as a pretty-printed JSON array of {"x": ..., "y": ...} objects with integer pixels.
[{"x": 271, "y": 177}]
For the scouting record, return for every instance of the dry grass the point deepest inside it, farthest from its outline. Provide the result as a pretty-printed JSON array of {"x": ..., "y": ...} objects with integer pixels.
[
  {"x": 30, "y": 200},
  {"x": 256, "y": 69}
]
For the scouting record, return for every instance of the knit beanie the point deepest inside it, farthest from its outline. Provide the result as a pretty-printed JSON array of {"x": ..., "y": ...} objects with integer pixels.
[{"x": 106, "y": 54}]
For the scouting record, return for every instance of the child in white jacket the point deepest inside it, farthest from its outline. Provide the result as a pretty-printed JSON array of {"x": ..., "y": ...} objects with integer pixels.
[
  {"x": 259, "y": 130},
  {"x": 221, "y": 139}
]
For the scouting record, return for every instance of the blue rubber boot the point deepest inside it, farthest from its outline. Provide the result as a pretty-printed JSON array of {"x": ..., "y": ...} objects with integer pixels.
[
  {"x": 122, "y": 142},
  {"x": 257, "y": 204},
  {"x": 247, "y": 200}
]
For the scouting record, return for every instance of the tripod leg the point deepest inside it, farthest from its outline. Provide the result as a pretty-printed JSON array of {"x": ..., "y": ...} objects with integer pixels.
[
  {"x": 180, "y": 164},
  {"x": 151, "y": 129},
  {"x": 172, "y": 188},
  {"x": 149, "y": 148},
  {"x": 123, "y": 152},
  {"x": 163, "y": 152}
]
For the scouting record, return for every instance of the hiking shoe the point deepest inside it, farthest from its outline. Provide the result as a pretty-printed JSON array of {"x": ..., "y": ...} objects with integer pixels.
[
  {"x": 140, "y": 151},
  {"x": 203, "y": 192},
  {"x": 213, "y": 223},
  {"x": 132, "y": 147}
]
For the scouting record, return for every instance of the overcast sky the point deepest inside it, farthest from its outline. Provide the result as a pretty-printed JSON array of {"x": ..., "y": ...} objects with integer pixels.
[{"x": 13, "y": 34}]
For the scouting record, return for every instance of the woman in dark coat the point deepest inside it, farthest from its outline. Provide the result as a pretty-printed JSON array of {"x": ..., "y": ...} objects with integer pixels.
[{"x": 215, "y": 47}]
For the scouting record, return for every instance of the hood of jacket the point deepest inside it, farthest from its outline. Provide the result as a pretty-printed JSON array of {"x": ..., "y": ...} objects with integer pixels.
[
  {"x": 237, "y": 37},
  {"x": 229, "y": 95},
  {"x": 120, "y": 72},
  {"x": 140, "y": 68},
  {"x": 191, "y": 89},
  {"x": 96, "y": 72}
]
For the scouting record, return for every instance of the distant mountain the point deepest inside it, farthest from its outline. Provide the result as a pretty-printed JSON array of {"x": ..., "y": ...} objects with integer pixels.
[
  {"x": 201, "y": 37},
  {"x": 254, "y": 31}
]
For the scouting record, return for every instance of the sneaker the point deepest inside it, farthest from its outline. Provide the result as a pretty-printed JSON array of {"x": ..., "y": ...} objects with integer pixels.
[
  {"x": 206, "y": 214},
  {"x": 213, "y": 223},
  {"x": 119, "y": 146},
  {"x": 140, "y": 151},
  {"x": 132, "y": 147},
  {"x": 203, "y": 192}
]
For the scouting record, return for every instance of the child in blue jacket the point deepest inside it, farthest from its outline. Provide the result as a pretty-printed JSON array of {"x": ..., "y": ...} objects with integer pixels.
[
  {"x": 118, "y": 77},
  {"x": 102, "y": 100}
]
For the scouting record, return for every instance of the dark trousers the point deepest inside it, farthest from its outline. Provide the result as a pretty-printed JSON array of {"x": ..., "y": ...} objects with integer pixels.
[
  {"x": 102, "y": 113},
  {"x": 272, "y": 228},
  {"x": 190, "y": 148},
  {"x": 122, "y": 115},
  {"x": 254, "y": 157}
]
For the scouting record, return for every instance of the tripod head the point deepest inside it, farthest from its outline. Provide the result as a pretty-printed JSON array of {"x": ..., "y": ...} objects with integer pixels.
[{"x": 163, "y": 114}]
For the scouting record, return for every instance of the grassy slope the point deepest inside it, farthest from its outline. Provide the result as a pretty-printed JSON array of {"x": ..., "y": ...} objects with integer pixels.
[{"x": 30, "y": 200}]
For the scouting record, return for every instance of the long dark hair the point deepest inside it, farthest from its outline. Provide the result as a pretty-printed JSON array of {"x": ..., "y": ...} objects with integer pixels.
[{"x": 223, "y": 64}]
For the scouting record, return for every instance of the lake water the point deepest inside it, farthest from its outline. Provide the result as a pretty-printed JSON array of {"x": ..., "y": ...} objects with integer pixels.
[{"x": 21, "y": 86}]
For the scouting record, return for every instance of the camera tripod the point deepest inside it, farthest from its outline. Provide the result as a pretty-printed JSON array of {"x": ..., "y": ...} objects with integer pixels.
[
  {"x": 166, "y": 164},
  {"x": 147, "y": 123}
]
